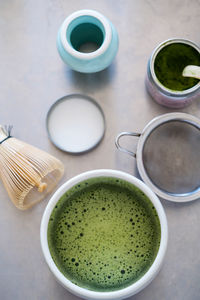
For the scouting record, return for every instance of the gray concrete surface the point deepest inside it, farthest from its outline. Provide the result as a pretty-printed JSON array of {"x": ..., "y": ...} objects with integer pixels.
[{"x": 32, "y": 77}]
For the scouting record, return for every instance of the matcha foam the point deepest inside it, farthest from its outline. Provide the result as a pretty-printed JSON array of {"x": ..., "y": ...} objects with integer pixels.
[{"x": 104, "y": 234}]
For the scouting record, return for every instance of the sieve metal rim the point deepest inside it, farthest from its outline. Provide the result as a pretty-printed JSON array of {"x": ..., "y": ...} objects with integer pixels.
[{"x": 148, "y": 129}]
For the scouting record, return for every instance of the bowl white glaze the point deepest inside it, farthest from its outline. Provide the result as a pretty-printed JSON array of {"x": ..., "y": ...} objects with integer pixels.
[{"x": 146, "y": 278}]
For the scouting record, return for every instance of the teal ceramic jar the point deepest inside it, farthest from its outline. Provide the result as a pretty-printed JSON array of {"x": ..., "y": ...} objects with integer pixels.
[{"x": 90, "y": 28}]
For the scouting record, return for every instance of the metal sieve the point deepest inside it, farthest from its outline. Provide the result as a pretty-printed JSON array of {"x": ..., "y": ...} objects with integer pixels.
[{"x": 168, "y": 156}]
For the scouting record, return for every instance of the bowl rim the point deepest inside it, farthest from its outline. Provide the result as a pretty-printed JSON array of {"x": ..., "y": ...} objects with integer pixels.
[{"x": 146, "y": 278}]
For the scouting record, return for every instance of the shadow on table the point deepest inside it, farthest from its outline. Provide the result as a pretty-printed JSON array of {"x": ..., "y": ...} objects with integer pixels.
[{"x": 90, "y": 82}]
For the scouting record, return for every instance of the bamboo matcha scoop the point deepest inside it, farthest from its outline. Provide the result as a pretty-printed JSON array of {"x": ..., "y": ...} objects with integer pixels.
[{"x": 191, "y": 71}]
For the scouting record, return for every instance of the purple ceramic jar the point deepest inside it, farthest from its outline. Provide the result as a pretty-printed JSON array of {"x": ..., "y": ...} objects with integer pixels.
[{"x": 162, "y": 94}]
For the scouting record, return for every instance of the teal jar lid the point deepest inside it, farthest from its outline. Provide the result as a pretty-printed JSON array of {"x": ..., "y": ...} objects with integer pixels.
[{"x": 87, "y": 41}]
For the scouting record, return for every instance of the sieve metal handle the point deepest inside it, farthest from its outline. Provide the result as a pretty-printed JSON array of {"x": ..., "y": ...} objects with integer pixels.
[{"x": 119, "y": 147}]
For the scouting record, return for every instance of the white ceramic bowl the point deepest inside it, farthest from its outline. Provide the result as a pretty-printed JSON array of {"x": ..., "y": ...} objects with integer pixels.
[{"x": 145, "y": 279}]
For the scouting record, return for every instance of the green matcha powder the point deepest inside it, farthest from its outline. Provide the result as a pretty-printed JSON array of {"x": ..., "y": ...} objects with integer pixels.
[{"x": 169, "y": 65}]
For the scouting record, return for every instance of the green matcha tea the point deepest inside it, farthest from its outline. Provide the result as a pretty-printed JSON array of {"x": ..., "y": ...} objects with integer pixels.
[
  {"x": 104, "y": 234},
  {"x": 169, "y": 65}
]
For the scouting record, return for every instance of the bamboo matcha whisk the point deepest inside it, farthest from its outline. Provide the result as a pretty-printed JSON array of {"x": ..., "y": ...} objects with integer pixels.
[{"x": 27, "y": 172}]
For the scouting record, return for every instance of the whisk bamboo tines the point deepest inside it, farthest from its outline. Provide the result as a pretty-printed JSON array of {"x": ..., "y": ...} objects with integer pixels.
[{"x": 27, "y": 172}]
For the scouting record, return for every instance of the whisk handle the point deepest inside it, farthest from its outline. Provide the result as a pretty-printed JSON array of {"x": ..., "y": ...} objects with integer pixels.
[{"x": 42, "y": 186}]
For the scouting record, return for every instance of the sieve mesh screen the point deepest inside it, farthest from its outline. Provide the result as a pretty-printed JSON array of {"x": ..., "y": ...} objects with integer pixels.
[{"x": 171, "y": 157}]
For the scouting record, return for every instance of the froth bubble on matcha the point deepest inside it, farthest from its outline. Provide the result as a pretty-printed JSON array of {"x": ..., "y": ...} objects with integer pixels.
[{"x": 104, "y": 234}]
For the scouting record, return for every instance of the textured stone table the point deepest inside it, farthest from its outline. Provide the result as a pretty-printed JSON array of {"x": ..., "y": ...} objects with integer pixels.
[{"x": 32, "y": 77}]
